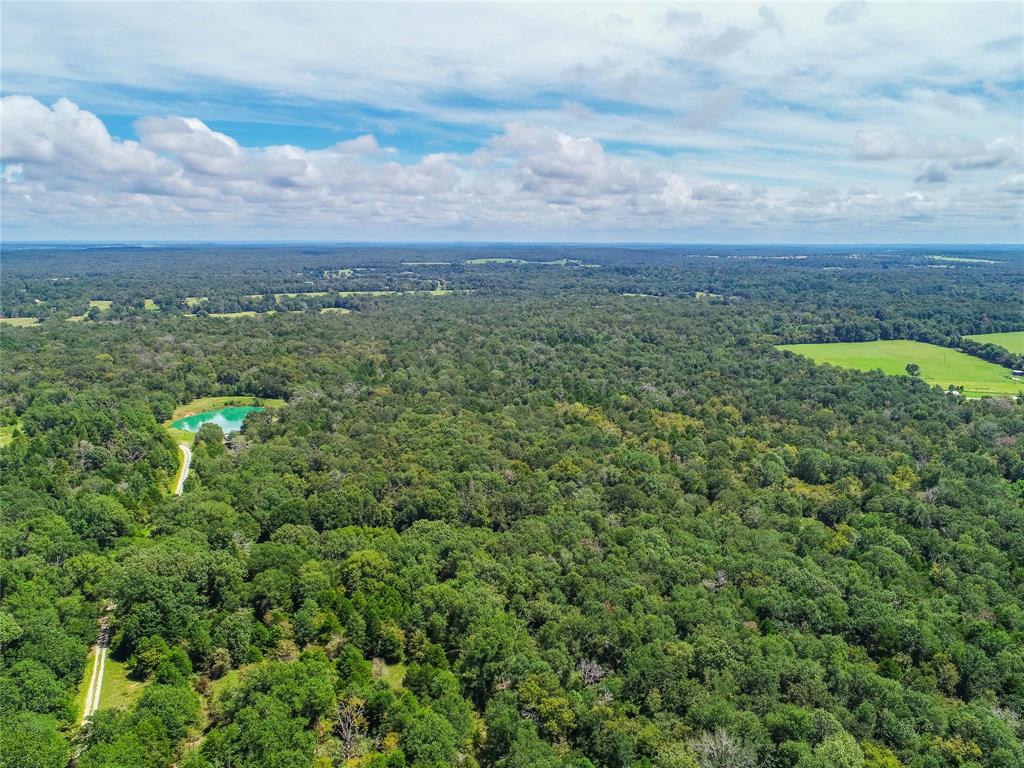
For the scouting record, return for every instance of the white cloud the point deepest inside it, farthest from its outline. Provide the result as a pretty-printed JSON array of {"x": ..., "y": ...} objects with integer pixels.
[
  {"x": 63, "y": 168},
  {"x": 846, "y": 12},
  {"x": 198, "y": 148}
]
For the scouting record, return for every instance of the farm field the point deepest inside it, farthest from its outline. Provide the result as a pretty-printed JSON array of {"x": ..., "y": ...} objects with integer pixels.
[
  {"x": 1012, "y": 341},
  {"x": 20, "y": 322},
  {"x": 939, "y": 365},
  {"x": 101, "y": 304}
]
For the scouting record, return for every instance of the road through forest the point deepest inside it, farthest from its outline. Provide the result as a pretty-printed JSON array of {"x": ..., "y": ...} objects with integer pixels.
[
  {"x": 99, "y": 662},
  {"x": 186, "y": 461}
]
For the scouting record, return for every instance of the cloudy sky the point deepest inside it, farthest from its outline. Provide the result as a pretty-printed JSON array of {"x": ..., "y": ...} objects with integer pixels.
[{"x": 725, "y": 122}]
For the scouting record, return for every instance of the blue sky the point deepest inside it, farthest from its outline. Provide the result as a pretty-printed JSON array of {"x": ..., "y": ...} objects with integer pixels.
[{"x": 726, "y": 122}]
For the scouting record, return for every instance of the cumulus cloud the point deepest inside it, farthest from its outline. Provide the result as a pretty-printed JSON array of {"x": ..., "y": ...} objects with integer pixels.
[
  {"x": 36, "y": 135},
  {"x": 847, "y": 12},
  {"x": 361, "y": 145},
  {"x": 943, "y": 153},
  {"x": 770, "y": 19},
  {"x": 1013, "y": 185},
  {"x": 62, "y": 167},
  {"x": 933, "y": 172},
  {"x": 199, "y": 148}
]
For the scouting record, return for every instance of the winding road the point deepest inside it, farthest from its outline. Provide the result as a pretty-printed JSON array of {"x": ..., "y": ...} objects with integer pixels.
[
  {"x": 186, "y": 461},
  {"x": 99, "y": 661}
]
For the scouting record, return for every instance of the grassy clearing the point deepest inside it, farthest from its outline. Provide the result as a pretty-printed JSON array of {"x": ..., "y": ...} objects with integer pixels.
[
  {"x": 1012, "y": 341},
  {"x": 118, "y": 692},
  {"x": 248, "y": 313},
  {"x": 20, "y": 322},
  {"x": 181, "y": 436},
  {"x": 149, "y": 305},
  {"x": 304, "y": 295},
  {"x": 204, "y": 404},
  {"x": 939, "y": 365},
  {"x": 964, "y": 260},
  {"x": 335, "y": 310},
  {"x": 392, "y": 674},
  {"x": 101, "y": 304},
  {"x": 194, "y": 301},
  {"x": 476, "y": 262}
]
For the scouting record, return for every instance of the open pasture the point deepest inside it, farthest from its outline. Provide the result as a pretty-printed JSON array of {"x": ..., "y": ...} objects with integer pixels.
[
  {"x": 939, "y": 365},
  {"x": 1013, "y": 341}
]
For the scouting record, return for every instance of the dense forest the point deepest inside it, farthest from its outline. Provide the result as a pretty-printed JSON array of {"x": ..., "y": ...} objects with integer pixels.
[{"x": 569, "y": 510}]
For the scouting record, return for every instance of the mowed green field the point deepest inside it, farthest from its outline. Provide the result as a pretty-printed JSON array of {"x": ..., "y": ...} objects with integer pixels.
[
  {"x": 1012, "y": 341},
  {"x": 939, "y": 365}
]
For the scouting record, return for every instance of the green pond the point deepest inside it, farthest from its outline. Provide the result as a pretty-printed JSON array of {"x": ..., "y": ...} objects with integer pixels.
[{"x": 228, "y": 419}]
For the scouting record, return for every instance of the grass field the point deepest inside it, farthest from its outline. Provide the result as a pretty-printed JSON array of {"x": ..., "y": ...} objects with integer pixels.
[
  {"x": 939, "y": 365},
  {"x": 149, "y": 305},
  {"x": 101, "y": 304},
  {"x": 20, "y": 322},
  {"x": 118, "y": 691},
  {"x": 963, "y": 260},
  {"x": 336, "y": 310},
  {"x": 309, "y": 294},
  {"x": 552, "y": 263},
  {"x": 248, "y": 313},
  {"x": 1012, "y": 341},
  {"x": 192, "y": 301}
]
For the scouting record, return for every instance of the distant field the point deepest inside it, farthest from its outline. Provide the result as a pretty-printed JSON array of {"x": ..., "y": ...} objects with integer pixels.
[
  {"x": 101, "y": 304},
  {"x": 149, "y": 305},
  {"x": 191, "y": 301},
  {"x": 1012, "y": 341},
  {"x": 554, "y": 262},
  {"x": 21, "y": 322},
  {"x": 309, "y": 294},
  {"x": 939, "y": 365},
  {"x": 248, "y": 313},
  {"x": 964, "y": 260},
  {"x": 336, "y": 310}
]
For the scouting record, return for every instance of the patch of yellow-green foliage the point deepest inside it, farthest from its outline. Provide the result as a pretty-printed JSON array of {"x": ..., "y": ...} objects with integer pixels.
[
  {"x": 20, "y": 322},
  {"x": 149, "y": 305},
  {"x": 7, "y": 434},
  {"x": 336, "y": 310},
  {"x": 938, "y": 365},
  {"x": 1013, "y": 341},
  {"x": 101, "y": 304},
  {"x": 194, "y": 301},
  {"x": 247, "y": 313}
]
